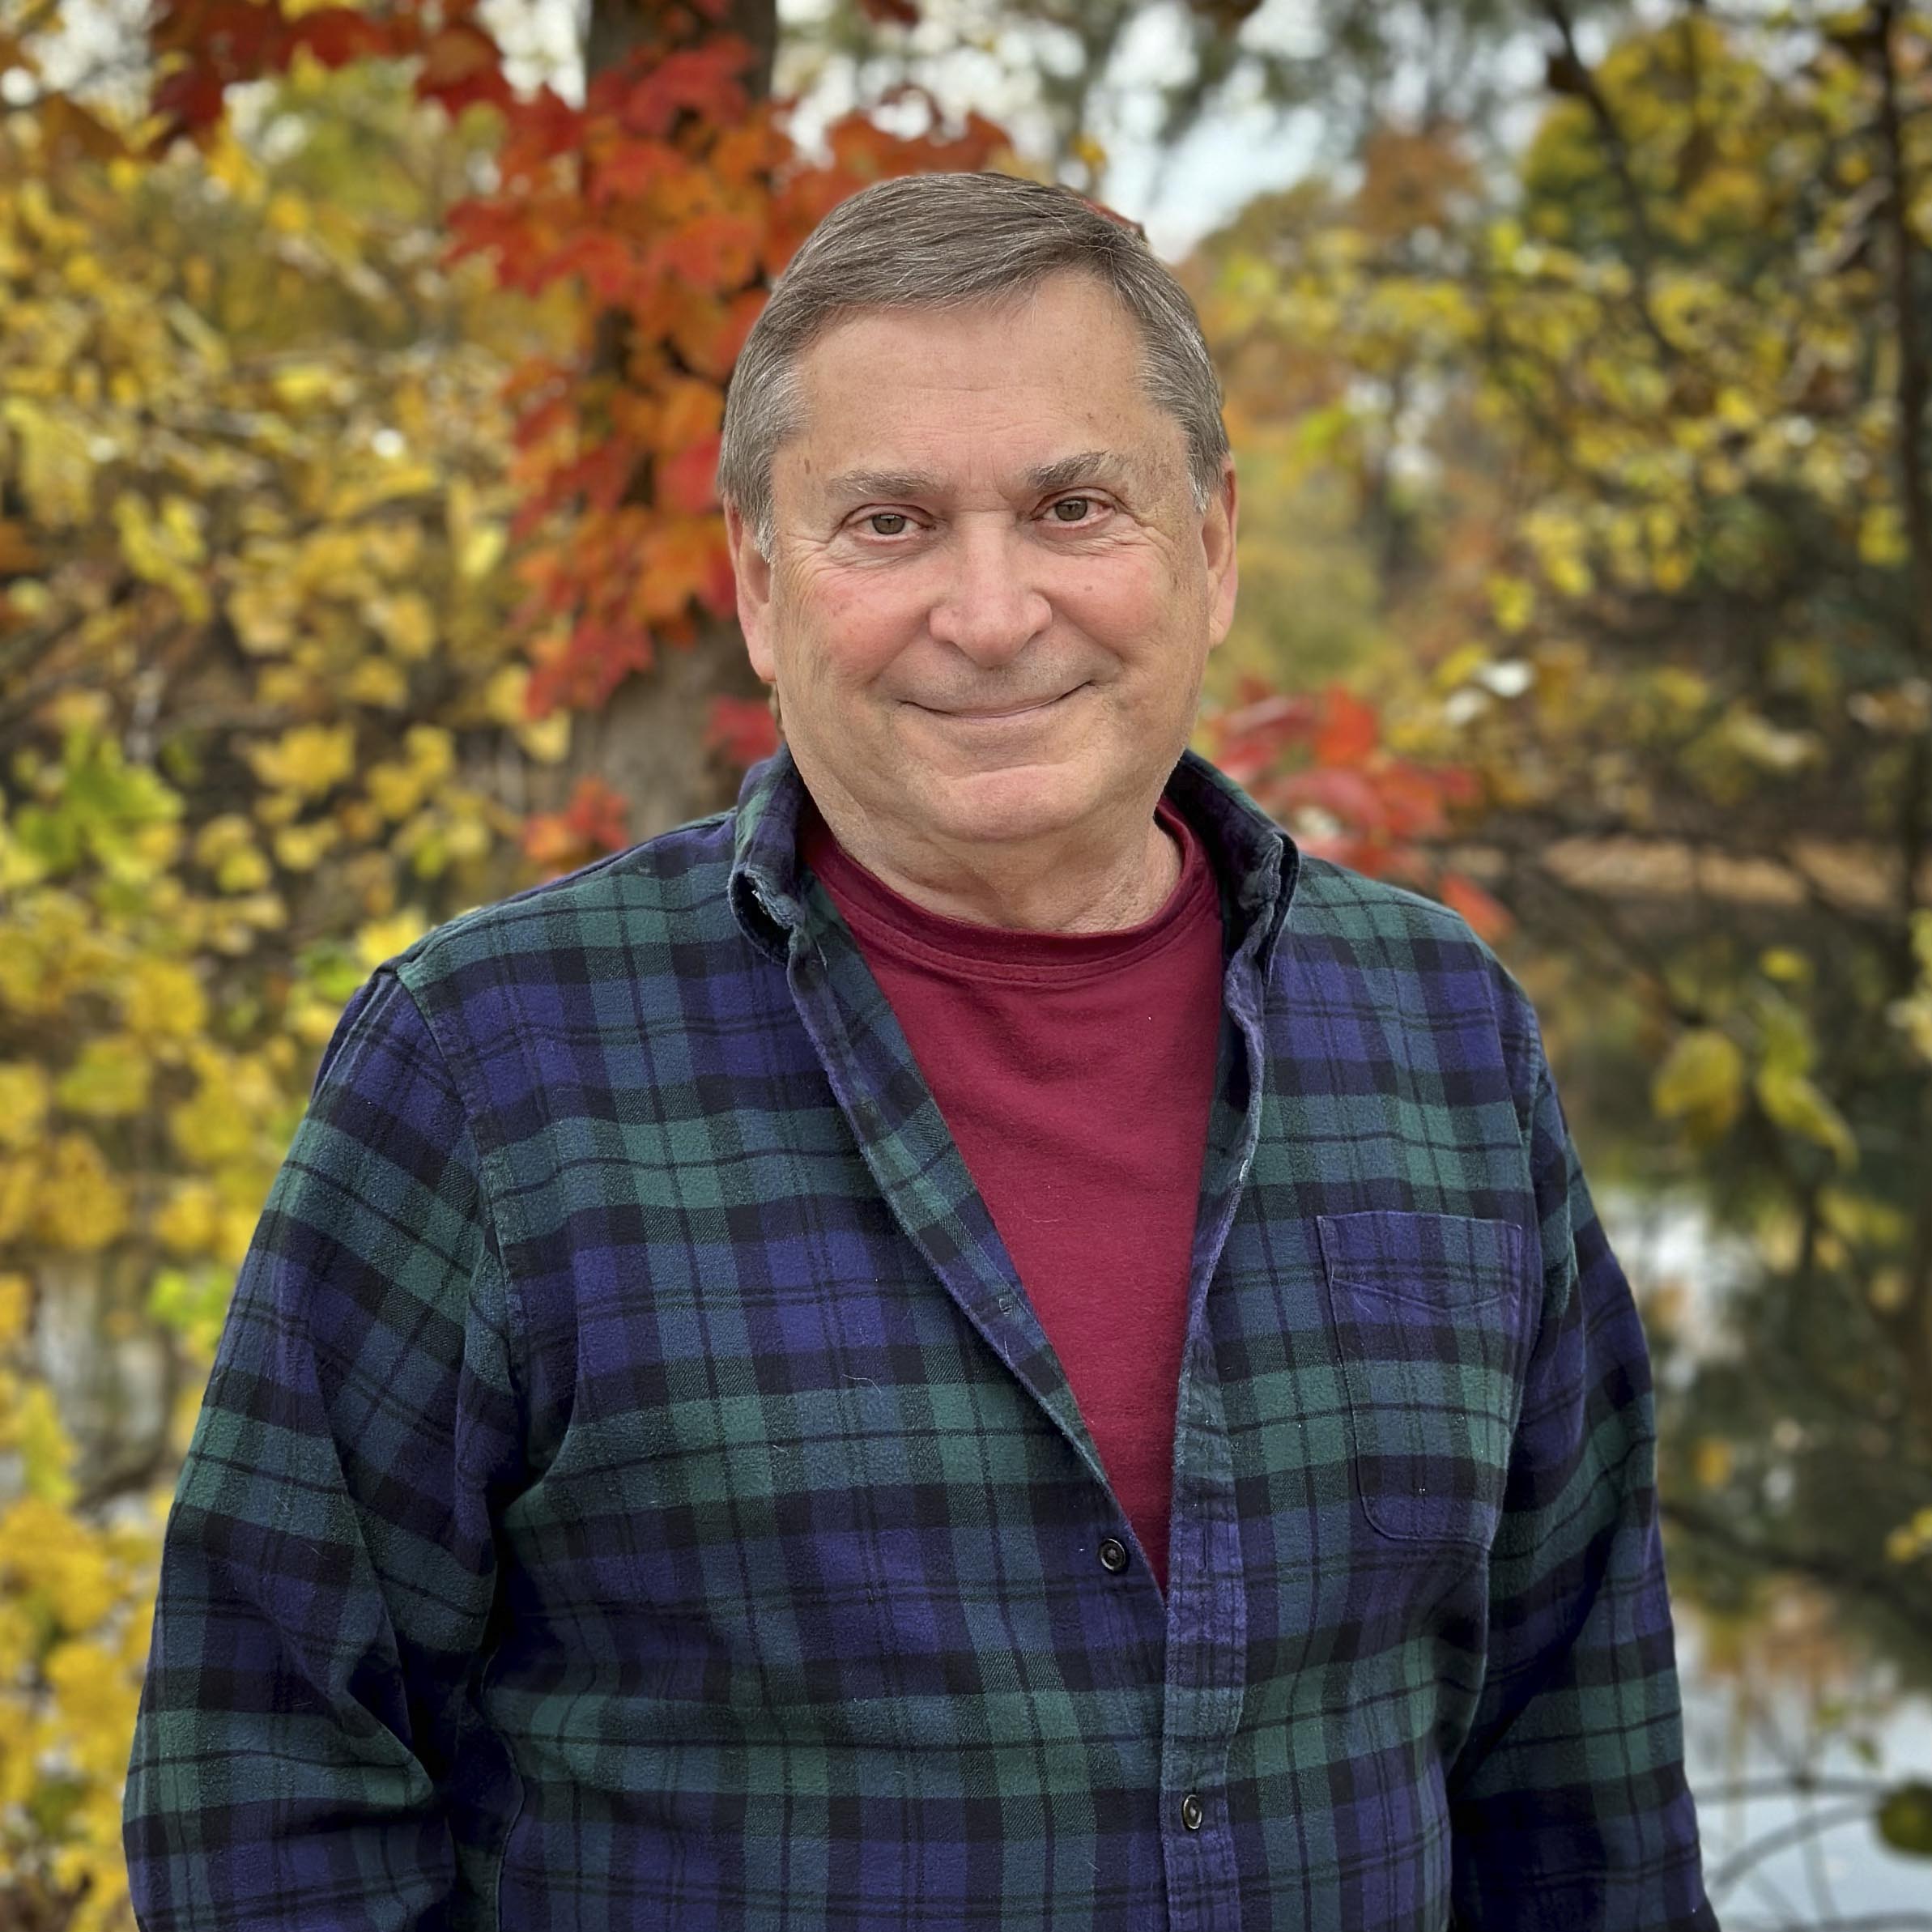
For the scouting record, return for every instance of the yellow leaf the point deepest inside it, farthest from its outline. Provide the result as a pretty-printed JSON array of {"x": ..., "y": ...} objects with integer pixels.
[
  {"x": 1701, "y": 1082},
  {"x": 504, "y": 693},
  {"x": 406, "y": 624},
  {"x": 263, "y": 614},
  {"x": 44, "y": 1552},
  {"x": 164, "y": 550},
  {"x": 163, "y": 999},
  {"x": 1458, "y": 667},
  {"x": 235, "y": 1231},
  {"x": 1512, "y": 600},
  {"x": 481, "y": 551},
  {"x": 383, "y": 938},
  {"x": 378, "y": 682},
  {"x": 24, "y": 1101},
  {"x": 110, "y": 1080},
  {"x": 228, "y": 162},
  {"x": 46, "y": 1448},
  {"x": 82, "y": 1207},
  {"x": 302, "y": 848},
  {"x": 299, "y": 384},
  {"x": 1795, "y": 1103},
  {"x": 308, "y": 1016},
  {"x": 187, "y": 1225},
  {"x": 1090, "y": 154},
  {"x": 1882, "y": 538},
  {"x": 545, "y": 739},
  {"x": 431, "y": 751},
  {"x": 394, "y": 790},
  {"x": 309, "y": 759}
]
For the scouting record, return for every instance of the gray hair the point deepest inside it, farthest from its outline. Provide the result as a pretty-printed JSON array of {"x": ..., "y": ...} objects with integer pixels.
[{"x": 952, "y": 241}]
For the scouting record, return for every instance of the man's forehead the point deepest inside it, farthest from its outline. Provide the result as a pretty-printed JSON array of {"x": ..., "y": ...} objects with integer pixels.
[{"x": 1120, "y": 469}]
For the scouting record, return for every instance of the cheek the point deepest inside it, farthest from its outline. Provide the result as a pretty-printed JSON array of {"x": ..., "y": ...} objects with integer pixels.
[
  {"x": 1129, "y": 606},
  {"x": 843, "y": 630}
]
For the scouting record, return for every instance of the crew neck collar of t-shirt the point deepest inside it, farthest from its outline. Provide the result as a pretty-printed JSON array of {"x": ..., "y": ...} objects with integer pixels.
[{"x": 883, "y": 918}]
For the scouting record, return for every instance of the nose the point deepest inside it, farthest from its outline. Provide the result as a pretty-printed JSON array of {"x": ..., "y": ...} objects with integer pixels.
[{"x": 986, "y": 607}]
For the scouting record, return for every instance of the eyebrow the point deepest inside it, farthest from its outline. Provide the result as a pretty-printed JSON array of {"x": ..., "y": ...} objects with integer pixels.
[{"x": 1087, "y": 466}]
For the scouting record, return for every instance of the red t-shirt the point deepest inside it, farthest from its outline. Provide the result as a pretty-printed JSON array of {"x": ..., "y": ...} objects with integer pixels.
[{"x": 1075, "y": 1072}]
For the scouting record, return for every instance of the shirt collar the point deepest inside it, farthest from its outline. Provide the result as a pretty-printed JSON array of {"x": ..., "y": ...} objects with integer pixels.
[{"x": 1256, "y": 862}]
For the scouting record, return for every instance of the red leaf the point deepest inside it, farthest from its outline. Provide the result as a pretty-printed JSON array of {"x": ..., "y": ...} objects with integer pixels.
[
  {"x": 598, "y": 812},
  {"x": 461, "y": 66},
  {"x": 649, "y": 91},
  {"x": 685, "y": 482},
  {"x": 337, "y": 35},
  {"x": 890, "y": 13},
  {"x": 1348, "y": 795},
  {"x": 596, "y": 660},
  {"x": 742, "y": 729},
  {"x": 541, "y": 128},
  {"x": 632, "y": 169}
]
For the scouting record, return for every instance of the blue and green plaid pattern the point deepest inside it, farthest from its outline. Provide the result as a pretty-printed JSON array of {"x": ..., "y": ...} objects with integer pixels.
[{"x": 633, "y": 1490}]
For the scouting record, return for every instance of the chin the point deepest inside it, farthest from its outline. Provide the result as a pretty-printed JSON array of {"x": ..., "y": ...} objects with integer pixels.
[{"x": 1027, "y": 802}]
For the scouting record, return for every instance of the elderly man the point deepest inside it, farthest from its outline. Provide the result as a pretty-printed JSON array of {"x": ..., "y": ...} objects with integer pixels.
[{"x": 980, "y": 1342}]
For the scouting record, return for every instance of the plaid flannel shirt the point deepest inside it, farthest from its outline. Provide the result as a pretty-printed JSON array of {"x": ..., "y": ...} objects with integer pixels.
[{"x": 633, "y": 1491}]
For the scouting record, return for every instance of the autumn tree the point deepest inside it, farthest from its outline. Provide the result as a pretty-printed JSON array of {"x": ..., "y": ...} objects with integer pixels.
[
  {"x": 356, "y": 436},
  {"x": 1634, "y": 445}
]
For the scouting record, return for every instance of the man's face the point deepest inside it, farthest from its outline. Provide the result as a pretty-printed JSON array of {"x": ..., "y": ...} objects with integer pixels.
[{"x": 991, "y": 597}]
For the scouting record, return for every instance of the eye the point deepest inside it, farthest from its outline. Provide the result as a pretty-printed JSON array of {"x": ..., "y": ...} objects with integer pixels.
[
  {"x": 879, "y": 520},
  {"x": 1073, "y": 510}
]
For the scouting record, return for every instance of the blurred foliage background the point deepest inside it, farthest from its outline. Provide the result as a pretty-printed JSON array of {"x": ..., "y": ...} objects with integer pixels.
[{"x": 360, "y": 370}]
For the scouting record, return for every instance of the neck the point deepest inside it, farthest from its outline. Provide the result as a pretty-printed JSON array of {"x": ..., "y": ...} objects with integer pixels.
[{"x": 1067, "y": 885}]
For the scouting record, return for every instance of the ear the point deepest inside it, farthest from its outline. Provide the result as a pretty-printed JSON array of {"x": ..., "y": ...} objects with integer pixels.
[
  {"x": 752, "y": 575},
  {"x": 1217, "y": 541}
]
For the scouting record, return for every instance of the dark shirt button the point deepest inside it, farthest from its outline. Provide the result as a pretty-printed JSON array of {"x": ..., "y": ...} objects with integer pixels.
[
  {"x": 1113, "y": 1555},
  {"x": 1190, "y": 1812}
]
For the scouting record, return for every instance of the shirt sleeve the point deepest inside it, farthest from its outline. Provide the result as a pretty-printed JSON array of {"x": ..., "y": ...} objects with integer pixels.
[
  {"x": 1568, "y": 1801},
  {"x": 328, "y": 1567}
]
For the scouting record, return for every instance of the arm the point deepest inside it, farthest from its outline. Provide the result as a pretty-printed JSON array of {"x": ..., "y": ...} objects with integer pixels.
[
  {"x": 1569, "y": 1802},
  {"x": 329, "y": 1565}
]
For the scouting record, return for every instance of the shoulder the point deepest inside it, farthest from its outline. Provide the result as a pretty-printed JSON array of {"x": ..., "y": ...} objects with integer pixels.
[
  {"x": 536, "y": 962},
  {"x": 581, "y": 920},
  {"x": 1337, "y": 901},
  {"x": 1415, "y": 953}
]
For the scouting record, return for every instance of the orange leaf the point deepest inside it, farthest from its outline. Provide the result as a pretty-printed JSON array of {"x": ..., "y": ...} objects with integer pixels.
[
  {"x": 1349, "y": 728},
  {"x": 687, "y": 412},
  {"x": 687, "y": 482},
  {"x": 68, "y": 131},
  {"x": 1491, "y": 918}
]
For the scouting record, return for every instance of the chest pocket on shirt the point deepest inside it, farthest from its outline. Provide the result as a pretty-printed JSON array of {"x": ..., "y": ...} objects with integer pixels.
[{"x": 1430, "y": 1312}]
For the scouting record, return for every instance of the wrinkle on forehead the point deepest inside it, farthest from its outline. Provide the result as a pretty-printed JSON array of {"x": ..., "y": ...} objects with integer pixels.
[{"x": 1106, "y": 467}]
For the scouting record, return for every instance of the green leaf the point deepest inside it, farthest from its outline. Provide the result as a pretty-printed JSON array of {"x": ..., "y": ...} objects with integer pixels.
[
  {"x": 1905, "y": 1819},
  {"x": 194, "y": 1302}
]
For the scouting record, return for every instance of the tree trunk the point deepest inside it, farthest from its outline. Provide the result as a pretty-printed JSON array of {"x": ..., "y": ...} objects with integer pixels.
[{"x": 648, "y": 741}]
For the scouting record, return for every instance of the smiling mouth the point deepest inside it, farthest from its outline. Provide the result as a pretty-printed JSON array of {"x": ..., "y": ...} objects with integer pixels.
[{"x": 995, "y": 717}]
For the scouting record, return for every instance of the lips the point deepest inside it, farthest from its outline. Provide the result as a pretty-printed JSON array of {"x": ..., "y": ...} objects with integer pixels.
[{"x": 1004, "y": 712}]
